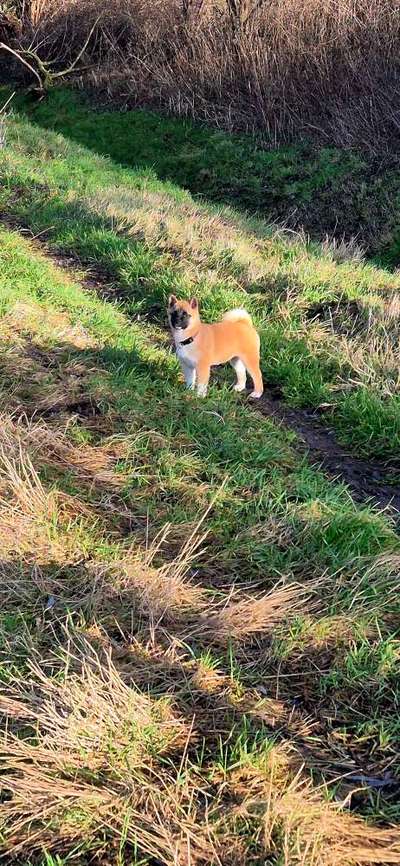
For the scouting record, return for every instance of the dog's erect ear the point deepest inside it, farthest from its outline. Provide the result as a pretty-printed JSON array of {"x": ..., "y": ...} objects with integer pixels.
[
  {"x": 172, "y": 301},
  {"x": 194, "y": 303}
]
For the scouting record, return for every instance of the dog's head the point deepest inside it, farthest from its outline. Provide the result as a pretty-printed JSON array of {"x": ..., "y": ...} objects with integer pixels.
[{"x": 182, "y": 314}]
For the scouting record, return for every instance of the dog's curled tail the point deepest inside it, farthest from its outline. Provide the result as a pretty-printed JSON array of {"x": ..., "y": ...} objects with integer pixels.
[{"x": 238, "y": 315}]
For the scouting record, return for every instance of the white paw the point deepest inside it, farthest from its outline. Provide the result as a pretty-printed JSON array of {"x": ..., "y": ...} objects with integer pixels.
[
  {"x": 255, "y": 395},
  {"x": 201, "y": 390},
  {"x": 239, "y": 387}
]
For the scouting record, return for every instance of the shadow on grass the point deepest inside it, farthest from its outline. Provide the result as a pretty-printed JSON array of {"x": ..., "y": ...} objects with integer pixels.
[
  {"x": 259, "y": 527},
  {"x": 324, "y": 191},
  {"x": 42, "y": 599},
  {"x": 226, "y": 711},
  {"x": 69, "y": 588}
]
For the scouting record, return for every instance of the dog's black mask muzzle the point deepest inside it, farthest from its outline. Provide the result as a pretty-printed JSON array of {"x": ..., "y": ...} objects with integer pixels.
[{"x": 180, "y": 319}]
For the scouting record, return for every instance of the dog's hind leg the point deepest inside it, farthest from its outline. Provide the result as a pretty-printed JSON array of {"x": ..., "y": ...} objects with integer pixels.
[
  {"x": 256, "y": 376},
  {"x": 240, "y": 371},
  {"x": 252, "y": 365}
]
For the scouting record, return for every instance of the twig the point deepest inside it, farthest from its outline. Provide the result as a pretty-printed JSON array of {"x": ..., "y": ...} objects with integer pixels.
[{"x": 7, "y": 102}]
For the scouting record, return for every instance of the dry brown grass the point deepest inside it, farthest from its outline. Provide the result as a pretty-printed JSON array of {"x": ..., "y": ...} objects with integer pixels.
[
  {"x": 40, "y": 523},
  {"x": 50, "y": 446},
  {"x": 314, "y": 832},
  {"x": 93, "y": 766},
  {"x": 94, "y": 762},
  {"x": 28, "y": 512},
  {"x": 166, "y": 596},
  {"x": 42, "y": 373},
  {"x": 240, "y": 619},
  {"x": 163, "y": 594},
  {"x": 282, "y": 67}
]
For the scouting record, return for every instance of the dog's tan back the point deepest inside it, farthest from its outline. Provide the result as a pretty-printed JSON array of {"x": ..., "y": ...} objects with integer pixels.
[{"x": 201, "y": 346}]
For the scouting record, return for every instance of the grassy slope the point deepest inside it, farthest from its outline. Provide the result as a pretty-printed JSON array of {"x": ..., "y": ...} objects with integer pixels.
[
  {"x": 326, "y": 190},
  {"x": 91, "y": 402},
  {"x": 149, "y": 453},
  {"x": 330, "y": 332}
]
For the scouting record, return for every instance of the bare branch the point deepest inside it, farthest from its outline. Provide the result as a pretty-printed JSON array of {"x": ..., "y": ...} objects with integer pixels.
[
  {"x": 42, "y": 73},
  {"x": 19, "y": 57},
  {"x": 78, "y": 57}
]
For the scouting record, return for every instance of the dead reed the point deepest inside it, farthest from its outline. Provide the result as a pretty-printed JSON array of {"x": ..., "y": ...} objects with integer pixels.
[{"x": 284, "y": 67}]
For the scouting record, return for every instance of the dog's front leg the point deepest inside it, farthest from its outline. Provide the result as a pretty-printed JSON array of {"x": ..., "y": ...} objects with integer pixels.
[
  {"x": 203, "y": 376},
  {"x": 189, "y": 375}
]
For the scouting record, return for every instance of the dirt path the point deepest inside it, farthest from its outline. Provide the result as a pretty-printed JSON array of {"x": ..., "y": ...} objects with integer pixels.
[{"x": 367, "y": 479}]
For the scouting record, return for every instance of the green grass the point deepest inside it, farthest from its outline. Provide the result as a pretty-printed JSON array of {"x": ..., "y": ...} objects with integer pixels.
[
  {"x": 183, "y": 450},
  {"x": 323, "y": 189},
  {"x": 92, "y": 403},
  {"x": 262, "y": 462},
  {"x": 151, "y": 238},
  {"x": 370, "y": 671}
]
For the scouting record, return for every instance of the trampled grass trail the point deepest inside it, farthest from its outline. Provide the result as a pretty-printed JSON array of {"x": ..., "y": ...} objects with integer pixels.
[{"x": 199, "y": 652}]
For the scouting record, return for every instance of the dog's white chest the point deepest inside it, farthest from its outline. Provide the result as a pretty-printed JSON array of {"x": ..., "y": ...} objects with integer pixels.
[{"x": 186, "y": 354}]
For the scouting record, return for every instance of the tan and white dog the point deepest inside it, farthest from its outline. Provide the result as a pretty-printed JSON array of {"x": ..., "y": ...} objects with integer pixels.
[{"x": 200, "y": 347}]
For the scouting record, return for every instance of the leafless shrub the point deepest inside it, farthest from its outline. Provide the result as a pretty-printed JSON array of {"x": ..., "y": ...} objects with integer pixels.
[{"x": 281, "y": 67}]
